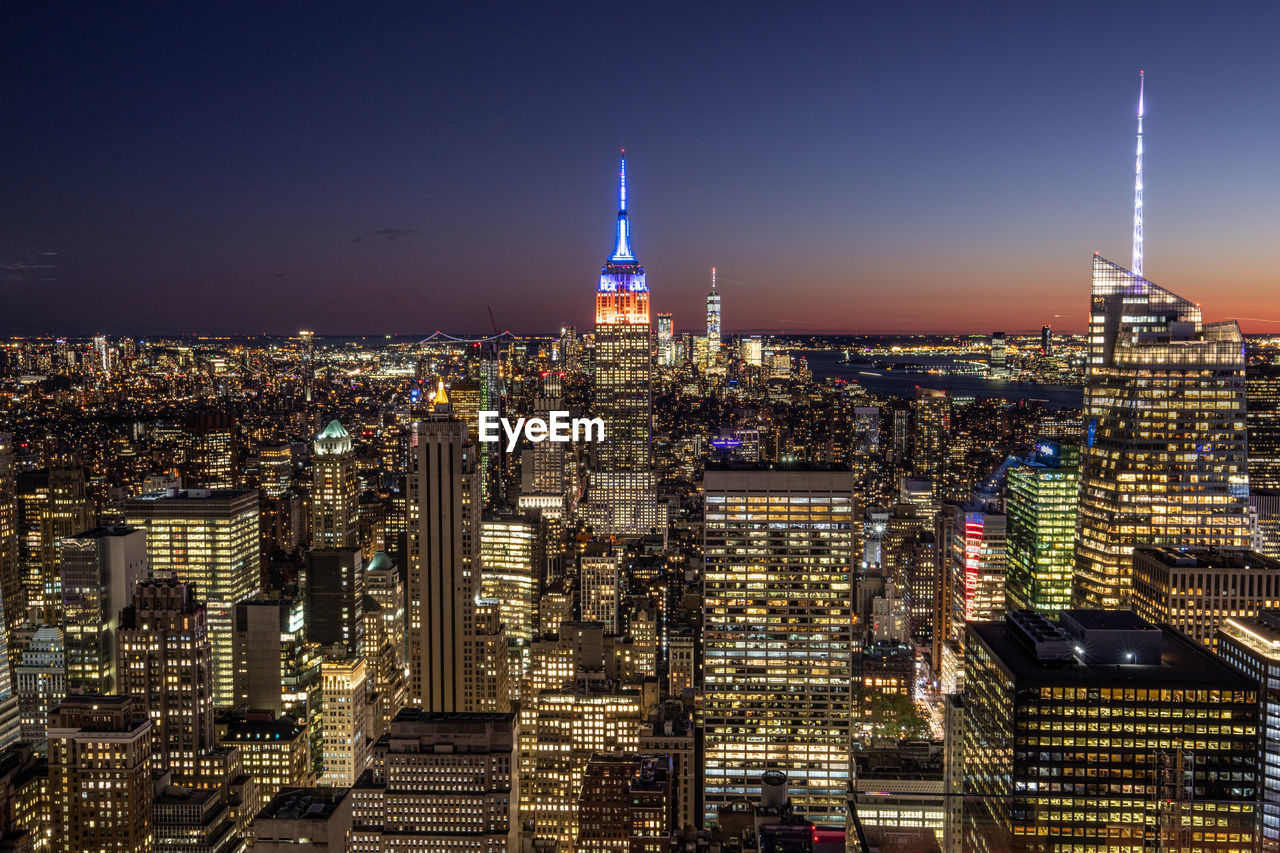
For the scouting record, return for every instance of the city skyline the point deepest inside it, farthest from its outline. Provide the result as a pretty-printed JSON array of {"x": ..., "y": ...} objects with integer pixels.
[{"x": 221, "y": 205}]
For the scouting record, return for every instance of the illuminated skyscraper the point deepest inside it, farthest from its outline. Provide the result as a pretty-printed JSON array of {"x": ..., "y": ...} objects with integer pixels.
[
  {"x": 511, "y": 556},
  {"x": 52, "y": 505},
  {"x": 666, "y": 341},
  {"x": 335, "y": 494},
  {"x": 13, "y": 598},
  {"x": 1252, "y": 646},
  {"x": 778, "y": 623},
  {"x": 600, "y": 590},
  {"x": 346, "y": 721},
  {"x": 100, "y": 786},
  {"x": 932, "y": 410},
  {"x": 1104, "y": 732},
  {"x": 1041, "y": 510},
  {"x": 978, "y": 564},
  {"x": 1262, "y": 386},
  {"x": 1164, "y": 460},
  {"x": 41, "y": 679},
  {"x": 444, "y": 545},
  {"x": 713, "y": 319},
  {"x": 210, "y": 540},
  {"x": 100, "y": 568},
  {"x": 998, "y": 360},
  {"x": 213, "y": 451},
  {"x": 335, "y": 597},
  {"x": 622, "y": 495},
  {"x": 275, "y": 468},
  {"x": 165, "y": 663},
  {"x": 1046, "y": 340}
]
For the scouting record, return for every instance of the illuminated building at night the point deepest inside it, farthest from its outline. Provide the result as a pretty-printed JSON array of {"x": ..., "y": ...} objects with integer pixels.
[
  {"x": 41, "y": 679},
  {"x": 626, "y": 804},
  {"x": 713, "y": 320},
  {"x": 1164, "y": 459},
  {"x": 335, "y": 492},
  {"x": 777, "y": 632},
  {"x": 1041, "y": 516},
  {"x": 213, "y": 451},
  {"x": 1252, "y": 645},
  {"x": 1102, "y": 727},
  {"x": 511, "y": 556},
  {"x": 99, "y": 570},
  {"x": 444, "y": 550},
  {"x": 273, "y": 751},
  {"x": 345, "y": 728},
  {"x": 1194, "y": 589},
  {"x": 52, "y": 505},
  {"x": 666, "y": 341},
  {"x": 1262, "y": 387},
  {"x": 599, "y": 585},
  {"x": 166, "y": 663},
  {"x": 978, "y": 565},
  {"x": 439, "y": 782},
  {"x": 622, "y": 499},
  {"x": 209, "y": 539},
  {"x": 335, "y": 597}
]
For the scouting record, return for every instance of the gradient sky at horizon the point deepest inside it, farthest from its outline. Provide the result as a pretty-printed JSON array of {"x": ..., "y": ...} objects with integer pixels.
[{"x": 395, "y": 168}]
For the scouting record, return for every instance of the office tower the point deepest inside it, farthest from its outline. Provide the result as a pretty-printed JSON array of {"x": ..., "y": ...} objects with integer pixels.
[
  {"x": 209, "y": 539},
  {"x": 550, "y": 472},
  {"x": 621, "y": 490},
  {"x": 1264, "y": 505},
  {"x": 1262, "y": 391},
  {"x": 777, "y": 634},
  {"x": 275, "y": 468},
  {"x": 666, "y": 341},
  {"x": 322, "y": 816},
  {"x": 1164, "y": 461},
  {"x": 599, "y": 585},
  {"x": 568, "y": 725},
  {"x": 494, "y": 685},
  {"x": 165, "y": 661},
  {"x": 752, "y": 351},
  {"x": 444, "y": 540},
  {"x": 932, "y": 410},
  {"x": 1041, "y": 510},
  {"x": 273, "y": 751},
  {"x": 1251, "y": 644},
  {"x": 213, "y": 451},
  {"x": 1105, "y": 728},
  {"x": 276, "y": 669},
  {"x": 713, "y": 320},
  {"x": 511, "y": 558},
  {"x": 335, "y": 597},
  {"x": 626, "y": 805},
  {"x": 13, "y": 597},
  {"x": 41, "y": 677},
  {"x": 100, "y": 787},
  {"x": 1046, "y": 341},
  {"x": 99, "y": 570},
  {"x": 335, "y": 492},
  {"x": 439, "y": 782},
  {"x": 52, "y": 505},
  {"x": 1194, "y": 589},
  {"x": 998, "y": 360},
  {"x": 346, "y": 720},
  {"x": 978, "y": 565}
]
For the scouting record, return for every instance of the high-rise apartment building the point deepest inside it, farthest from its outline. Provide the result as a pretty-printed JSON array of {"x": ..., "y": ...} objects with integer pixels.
[
  {"x": 978, "y": 564},
  {"x": 165, "y": 661},
  {"x": 335, "y": 491},
  {"x": 1195, "y": 589},
  {"x": 208, "y": 539},
  {"x": 777, "y": 634},
  {"x": 275, "y": 468},
  {"x": 100, "y": 568},
  {"x": 439, "y": 782},
  {"x": 1041, "y": 517},
  {"x": 100, "y": 786},
  {"x": 998, "y": 359},
  {"x": 1103, "y": 731},
  {"x": 623, "y": 501},
  {"x": 1164, "y": 458},
  {"x": 932, "y": 411},
  {"x": 444, "y": 543}
]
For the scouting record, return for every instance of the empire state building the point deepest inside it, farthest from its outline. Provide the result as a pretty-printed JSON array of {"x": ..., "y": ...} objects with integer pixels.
[{"x": 621, "y": 500}]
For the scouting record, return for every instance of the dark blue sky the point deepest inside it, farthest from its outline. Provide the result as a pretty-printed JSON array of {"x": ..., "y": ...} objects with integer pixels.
[{"x": 374, "y": 168}]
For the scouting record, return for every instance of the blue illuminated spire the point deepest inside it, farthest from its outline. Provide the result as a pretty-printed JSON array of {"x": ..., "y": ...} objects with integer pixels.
[
  {"x": 622, "y": 251},
  {"x": 1137, "y": 189}
]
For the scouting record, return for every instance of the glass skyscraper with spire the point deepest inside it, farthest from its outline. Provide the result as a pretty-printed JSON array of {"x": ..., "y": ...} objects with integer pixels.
[{"x": 1164, "y": 457}]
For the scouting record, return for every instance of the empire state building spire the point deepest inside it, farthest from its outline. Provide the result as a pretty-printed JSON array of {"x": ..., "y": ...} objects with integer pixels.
[{"x": 622, "y": 250}]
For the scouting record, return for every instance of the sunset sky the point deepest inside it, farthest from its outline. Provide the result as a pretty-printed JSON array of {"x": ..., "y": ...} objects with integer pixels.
[{"x": 396, "y": 168}]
